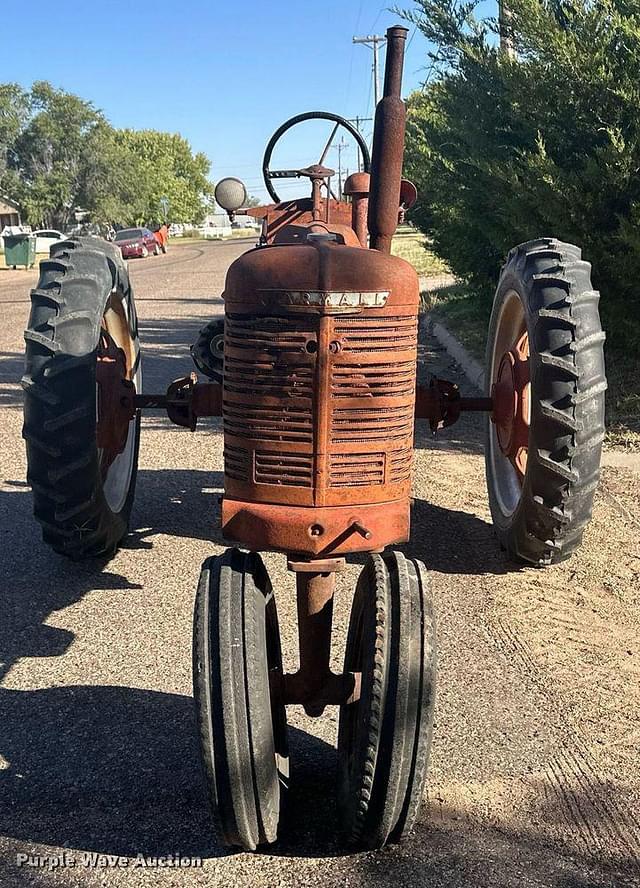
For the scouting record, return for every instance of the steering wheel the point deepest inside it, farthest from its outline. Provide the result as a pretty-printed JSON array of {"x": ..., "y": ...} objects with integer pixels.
[{"x": 270, "y": 174}]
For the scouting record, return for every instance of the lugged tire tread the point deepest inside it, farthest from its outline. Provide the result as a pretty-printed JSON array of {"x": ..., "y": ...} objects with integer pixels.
[
  {"x": 567, "y": 433},
  {"x": 60, "y": 396}
]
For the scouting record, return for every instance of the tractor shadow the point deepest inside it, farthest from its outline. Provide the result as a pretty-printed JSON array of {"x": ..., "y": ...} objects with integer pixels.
[
  {"x": 455, "y": 542},
  {"x": 176, "y": 502},
  {"x": 11, "y": 370},
  {"x": 115, "y": 770},
  {"x": 36, "y": 582}
]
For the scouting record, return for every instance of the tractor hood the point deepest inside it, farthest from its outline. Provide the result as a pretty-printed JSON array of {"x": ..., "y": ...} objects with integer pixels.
[{"x": 324, "y": 277}]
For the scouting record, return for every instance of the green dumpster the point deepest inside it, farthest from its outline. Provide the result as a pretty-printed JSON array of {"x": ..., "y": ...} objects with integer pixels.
[{"x": 20, "y": 249}]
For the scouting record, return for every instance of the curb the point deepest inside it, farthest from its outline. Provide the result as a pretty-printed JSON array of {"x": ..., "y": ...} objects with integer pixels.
[{"x": 472, "y": 369}]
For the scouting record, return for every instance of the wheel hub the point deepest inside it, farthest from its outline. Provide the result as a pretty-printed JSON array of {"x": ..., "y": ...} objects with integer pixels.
[
  {"x": 116, "y": 406},
  {"x": 511, "y": 400}
]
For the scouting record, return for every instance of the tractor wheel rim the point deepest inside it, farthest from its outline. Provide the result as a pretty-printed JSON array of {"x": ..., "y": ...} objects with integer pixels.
[
  {"x": 117, "y": 467},
  {"x": 510, "y": 381}
]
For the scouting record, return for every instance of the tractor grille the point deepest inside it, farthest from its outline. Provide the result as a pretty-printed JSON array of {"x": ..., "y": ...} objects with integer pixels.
[
  {"x": 400, "y": 465},
  {"x": 385, "y": 379},
  {"x": 260, "y": 377},
  {"x": 272, "y": 424},
  {"x": 237, "y": 462},
  {"x": 386, "y": 423},
  {"x": 355, "y": 469},
  {"x": 275, "y": 334},
  {"x": 367, "y": 335},
  {"x": 275, "y": 388},
  {"x": 267, "y": 356},
  {"x": 278, "y": 468}
]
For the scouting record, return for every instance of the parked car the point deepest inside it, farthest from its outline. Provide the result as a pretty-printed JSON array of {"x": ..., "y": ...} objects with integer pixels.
[
  {"x": 46, "y": 238},
  {"x": 246, "y": 222},
  {"x": 136, "y": 243}
]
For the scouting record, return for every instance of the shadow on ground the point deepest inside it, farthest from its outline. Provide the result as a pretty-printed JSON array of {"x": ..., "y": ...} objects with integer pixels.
[
  {"x": 116, "y": 770},
  {"x": 11, "y": 370}
]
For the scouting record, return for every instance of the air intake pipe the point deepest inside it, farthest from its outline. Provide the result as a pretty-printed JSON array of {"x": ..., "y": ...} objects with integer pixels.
[{"x": 388, "y": 147}]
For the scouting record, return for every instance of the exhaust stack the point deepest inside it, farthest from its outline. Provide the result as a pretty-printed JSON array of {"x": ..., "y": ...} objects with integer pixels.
[{"x": 388, "y": 147}]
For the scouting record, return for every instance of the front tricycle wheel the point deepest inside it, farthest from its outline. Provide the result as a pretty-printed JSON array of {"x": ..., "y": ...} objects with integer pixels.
[{"x": 546, "y": 376}]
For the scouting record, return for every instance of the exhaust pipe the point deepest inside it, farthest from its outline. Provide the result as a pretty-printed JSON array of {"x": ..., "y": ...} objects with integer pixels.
[{"x": 388, "y": 147}]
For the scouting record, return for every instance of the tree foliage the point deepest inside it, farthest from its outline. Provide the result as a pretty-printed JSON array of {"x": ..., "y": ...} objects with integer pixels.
[
  {"x": 546, "y": 143},
  {"x": 58, "y": 153},
  {"x": 167, "y": 167}
]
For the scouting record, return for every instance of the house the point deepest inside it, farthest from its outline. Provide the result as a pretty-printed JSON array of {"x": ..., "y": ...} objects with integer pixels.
[{"x": 9, "y": 212}]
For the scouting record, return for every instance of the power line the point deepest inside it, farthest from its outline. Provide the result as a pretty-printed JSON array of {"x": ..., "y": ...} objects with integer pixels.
[
  {"x": 415, "y": 31},
  {"x": 357, "y": 24},
  {"x": 380, "y": 11}
]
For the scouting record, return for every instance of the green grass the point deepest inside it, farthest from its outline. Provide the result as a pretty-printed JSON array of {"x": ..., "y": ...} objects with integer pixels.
[
  {"x": 466, "y": 312},
  {"x": 463, "y": 312},
  {"x": 412, "y": 246},
  {"x": 39, "y": 258}
]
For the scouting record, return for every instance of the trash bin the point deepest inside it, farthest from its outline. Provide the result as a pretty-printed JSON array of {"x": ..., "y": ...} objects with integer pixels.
[{"x": 20, "y": 249}]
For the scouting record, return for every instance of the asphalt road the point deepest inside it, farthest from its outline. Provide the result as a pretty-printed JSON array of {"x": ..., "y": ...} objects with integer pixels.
[{"x": 535, "y": 777}]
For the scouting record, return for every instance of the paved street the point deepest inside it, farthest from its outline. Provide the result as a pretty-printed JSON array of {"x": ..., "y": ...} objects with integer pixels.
[{"x": 535, "y": 777}]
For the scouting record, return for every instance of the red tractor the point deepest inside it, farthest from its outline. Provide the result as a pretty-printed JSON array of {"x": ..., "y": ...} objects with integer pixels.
[{"x": 314, "y": 375}]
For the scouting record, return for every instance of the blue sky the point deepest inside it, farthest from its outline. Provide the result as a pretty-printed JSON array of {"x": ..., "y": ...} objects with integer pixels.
[{"x": 223, "y": 74}]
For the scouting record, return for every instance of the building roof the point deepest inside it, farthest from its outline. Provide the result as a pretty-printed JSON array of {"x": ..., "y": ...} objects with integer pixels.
[{"x": 8, "y": 202}]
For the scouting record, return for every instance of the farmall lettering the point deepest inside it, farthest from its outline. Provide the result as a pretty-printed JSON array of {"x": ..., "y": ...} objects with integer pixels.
[{"x": 346, "y": 300}]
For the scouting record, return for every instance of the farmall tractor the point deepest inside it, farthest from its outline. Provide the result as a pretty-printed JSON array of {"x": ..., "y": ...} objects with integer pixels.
[{"x": 314, "y": 375}]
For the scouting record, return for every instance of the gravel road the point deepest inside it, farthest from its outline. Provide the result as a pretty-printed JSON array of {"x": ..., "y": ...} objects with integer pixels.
[{"x": 535, "y": 777}]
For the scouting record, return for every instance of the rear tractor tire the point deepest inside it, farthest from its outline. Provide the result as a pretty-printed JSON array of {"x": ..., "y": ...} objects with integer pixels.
[
  {"x": 82, "y": 313},
  {"x": 546, "y": 374}
]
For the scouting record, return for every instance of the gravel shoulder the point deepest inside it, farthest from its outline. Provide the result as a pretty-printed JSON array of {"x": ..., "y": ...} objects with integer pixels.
[{"x": 535, "y": 778}]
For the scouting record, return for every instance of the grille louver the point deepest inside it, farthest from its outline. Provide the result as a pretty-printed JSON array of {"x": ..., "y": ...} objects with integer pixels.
[
  {"x": 278, "y": 468},
  {"x": 370, "y": 335},
  {"x": 273, "y": 388}
]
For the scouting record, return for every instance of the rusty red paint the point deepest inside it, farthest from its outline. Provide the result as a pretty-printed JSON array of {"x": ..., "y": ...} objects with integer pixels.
[
  {"x": 319, "y": 398},
  {"x": 115, "y": 399},
  {"x": 388, "y": 147},
  {"x": 511, "y": 397},
  {"x": 357, "y": 187}
]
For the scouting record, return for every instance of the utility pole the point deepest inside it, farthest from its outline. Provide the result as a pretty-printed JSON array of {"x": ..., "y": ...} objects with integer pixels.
[
  {"x": 341, "y": 145},
  {"x": 373, "y": 41},
  {"x": 358, "y": 120},
  {"x": 506, "y": 35}
]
